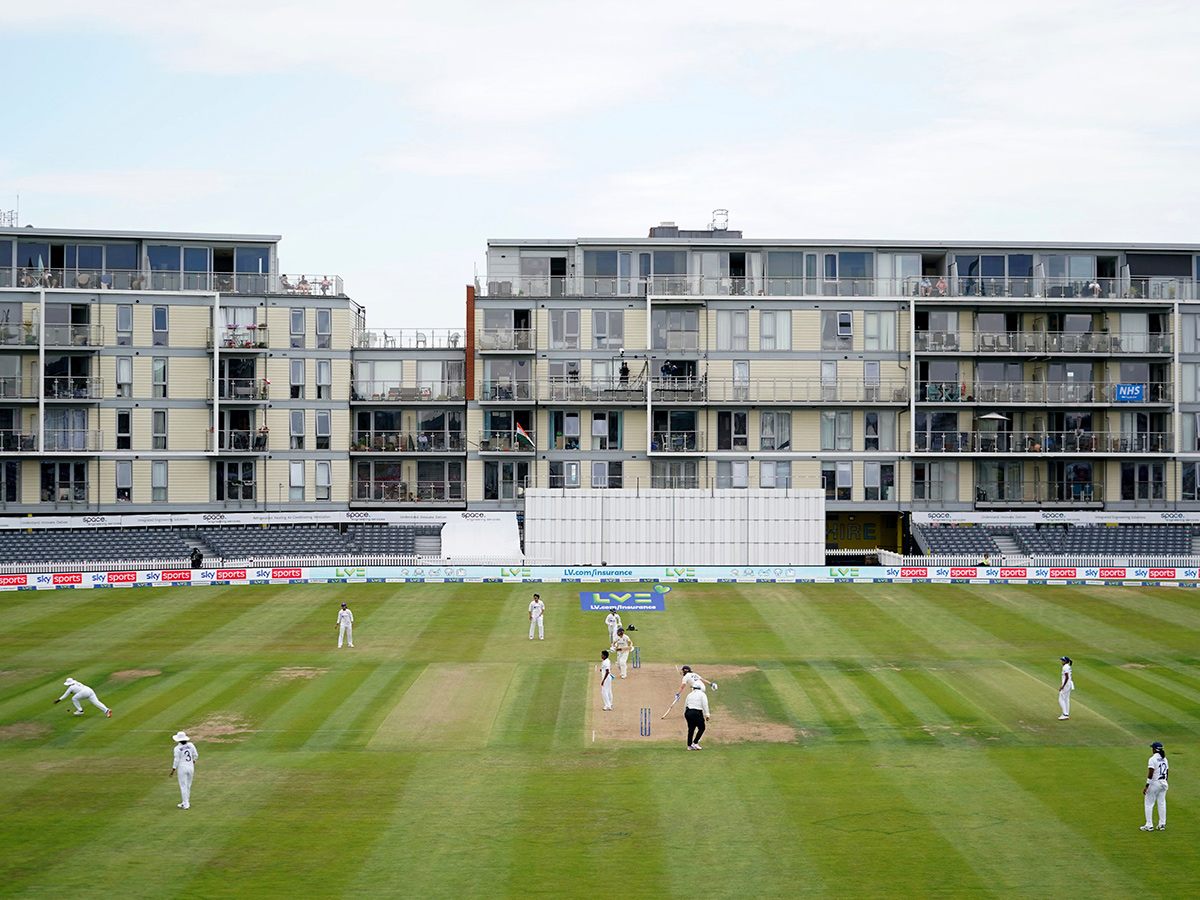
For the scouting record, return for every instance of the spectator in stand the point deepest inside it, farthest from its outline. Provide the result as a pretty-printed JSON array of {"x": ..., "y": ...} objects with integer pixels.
[
  {"x": 326, "y": 284},
  {"x": 285, "y": 284}
]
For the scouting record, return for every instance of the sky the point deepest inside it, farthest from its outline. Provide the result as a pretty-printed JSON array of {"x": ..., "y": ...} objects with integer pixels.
[{"x": 387, "y": 142}]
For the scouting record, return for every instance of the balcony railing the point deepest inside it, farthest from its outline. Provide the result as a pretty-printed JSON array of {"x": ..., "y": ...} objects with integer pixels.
[
  {"x": 240, "y": 441},
  {"x": 677, "y": 442},
  {"x": 410, "y": 339},
  {"x": 74, "y": 335},
  {"x": 73, "y": 388},
  {"x": 607, "y": 390},
  {"x": 1044, "y": 442},
  {"x": 409, "y": 442},
  {"x": 493, "y": 441},
  {"x": 510, "y": 339},
  {"x": 249, "y": 337},
  {"x": 507, "y": 391},
  {"x": 18, "y": 387},
  {"x": 58, "y": 440},
  {"x": 241, "y": 389},
  {"x": 157, "y": 280},
  {"x": 932, "y": 287},
  {"x": 1005, "y": 392},
  {"x": 408, "y": 391},
  {"x": 15, "y": 441},
  {"x": 407, "y": 491},
  {"x": 1043, "y": 342},
  {"x": 1034, "y": 493},
  {"x": 68, "y": 495}
]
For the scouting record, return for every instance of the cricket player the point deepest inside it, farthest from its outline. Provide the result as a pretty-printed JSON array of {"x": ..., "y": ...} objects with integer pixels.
[
  {"x": 622, "y": 645},
  {"x": 613, "y": 621},
  {"x": 536, "y": 609},
  {"x": 345, "y": 620},
  {"x": 692, "y": 680},
  {"x": 1156, "y": 788},
  {"x": 1068, "y": 685},
  {"x": 78, "y": 692},
  {"x": 605, "y": 679},
  {"x": 185, "y": 765}
]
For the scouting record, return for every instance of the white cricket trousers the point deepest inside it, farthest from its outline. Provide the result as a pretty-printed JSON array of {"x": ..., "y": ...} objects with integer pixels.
[
  {"x": 184, "y": 773},
  {"x": 622, "y": 657},
  {"x": 1064, "y": 700},
  {"x": 606, "y": 692},
  {"x": 1156, "y": 793},
  {"x": 536, "y": 622},
  {"x": 612, "y": 634},
  {"x": 88, "y": 695},
  {"x": 346, "y": 631}
]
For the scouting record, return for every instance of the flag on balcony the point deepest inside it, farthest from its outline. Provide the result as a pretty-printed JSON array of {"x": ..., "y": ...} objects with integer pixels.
[{"x": 521, "y": 432}]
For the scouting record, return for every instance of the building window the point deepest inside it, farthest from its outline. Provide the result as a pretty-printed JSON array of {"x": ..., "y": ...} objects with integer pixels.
[
  {"x": 124, "y": 481},
  {"x": 935, "y": 481},
  {"x": 158, "y": 429},
  {"x": 158, "y": 481},
  {"x": 879, "y": 330},
  {"x": 439, "y": 479},
  {"x": 672, "y": 473},
  {"x": 1142, "y": 481},
  {"x": 564, "y": 474},
  {"x": 829, "y": 380},
  {"x": 159, "y": 377},
  {"x": 124, "y": 376},
  {"x": 324, "y": 470},
  {"x": 323, "y": 430},
  {"x": 324, "y": 379},
  {"x": 324, "y": 329},
  {"x": 564, "y": 430},
  {"x": 12, "y": 481},
  {"x": 124, "y": 429},
  {"x": 606, "y": 474},
  {"x": 733, "y": 473},
  {"x": 775, "y": 330},
  {"x": 838, "y": 478},
  {"x": 235, "y": 480},
  {"x": 675, "y": 329},
  {"x": 564, "y": 329},
  {"x": 160, "y": 326},
  {"x": 733, "y": 329},
  {"x": 775, "y": 430},
  {"x": 296, "y": 480},
  {"x": 836, "y": 330},
  {"x": 774, "y": 474},
  {"x": 606, "y": 430},
  {"x": 879, "y": 430},
  {"x": 879, "y": 481},
  {"x": 733, "y": 430},
  {"x": 297, "y": 329},
  {"x": 836, "y": 429},
  {"x": 608, "y": 329},
  {"x": 296, "y": 418},
  {"x": 64, "y": 482},
  {"x": 505, "y": 480},
  {"x": 296, "y": 368},
  {"x": 124, "y": 325}
]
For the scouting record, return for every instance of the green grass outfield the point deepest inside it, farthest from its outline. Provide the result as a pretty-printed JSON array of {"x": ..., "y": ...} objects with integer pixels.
[{"x": 447, "y": 756}]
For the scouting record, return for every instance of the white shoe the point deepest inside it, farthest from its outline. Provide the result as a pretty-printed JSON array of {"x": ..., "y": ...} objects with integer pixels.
[
  {"x": 181, "y": 806},
  {"x": 541, "y": 639},
  {"x": 1060, "y": 718},
  {"x": 1161, "y": 828},
  {"x": 1146, "y": 828},
  {"x": 697, "y": 746},
  {"x": 351, "y": 645},
  {"x": 78, "y": 712}
]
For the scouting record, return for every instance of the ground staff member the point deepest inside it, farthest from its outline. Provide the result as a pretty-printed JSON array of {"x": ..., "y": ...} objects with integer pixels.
[
  {"x": 185, "y": 765},
  {"x": 1156, "y": 788},
  {"x": 695, "y": 711},
  {"x": 77, "y": 692},
  {"x": 1068, "y": 685},
  {"x": 345, "y": 622}
]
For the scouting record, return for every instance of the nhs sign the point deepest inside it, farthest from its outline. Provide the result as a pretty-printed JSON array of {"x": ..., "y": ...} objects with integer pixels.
[{"x": 1130, "y": 393}]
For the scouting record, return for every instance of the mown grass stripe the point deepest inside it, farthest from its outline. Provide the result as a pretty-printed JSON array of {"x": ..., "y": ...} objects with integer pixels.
[{"x": 351, "y": 725}]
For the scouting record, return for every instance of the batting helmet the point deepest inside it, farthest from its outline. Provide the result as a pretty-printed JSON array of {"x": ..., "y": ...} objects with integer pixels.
[
  {"x": 1157, "y": 745},
  {"x": 686, "y": 669}
]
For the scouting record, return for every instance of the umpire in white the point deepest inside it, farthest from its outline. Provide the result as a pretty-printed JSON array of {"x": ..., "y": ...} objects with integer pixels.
[{"x": 695, "y": 711}]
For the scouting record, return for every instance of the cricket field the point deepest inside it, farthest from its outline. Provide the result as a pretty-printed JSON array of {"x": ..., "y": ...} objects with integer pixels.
[{"x": 867, "y": 741}]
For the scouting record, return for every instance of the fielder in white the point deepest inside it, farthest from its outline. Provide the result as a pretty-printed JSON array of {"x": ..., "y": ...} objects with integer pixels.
[
  {"x": 78, "y": 692},
  {"x": 1068, "y": 685},
  {"x": 185, "y": 765},
  {"x": 605, "y": 679},
  {"x": 613, "y": 621},
  {"x": 345, "y": 620},
  {"x": 622, "y": 645},
  {"x": 536, "y": 609},
  {"x": 1156, "y": 788}
]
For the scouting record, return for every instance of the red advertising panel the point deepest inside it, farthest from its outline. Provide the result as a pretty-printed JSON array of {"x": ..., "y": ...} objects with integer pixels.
[
  {"x": 914, "y": 573},
  {"x": 73, "y": 578},
  {"x": 122, "y": 577},
  {"x": 287, "y": 573}
]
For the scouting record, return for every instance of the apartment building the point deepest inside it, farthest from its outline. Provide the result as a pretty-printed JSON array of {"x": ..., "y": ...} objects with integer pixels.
[{"x": 897, "y": 376}]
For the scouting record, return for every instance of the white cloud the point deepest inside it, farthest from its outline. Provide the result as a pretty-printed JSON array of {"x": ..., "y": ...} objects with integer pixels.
[{"x": 130, "y": 185}]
